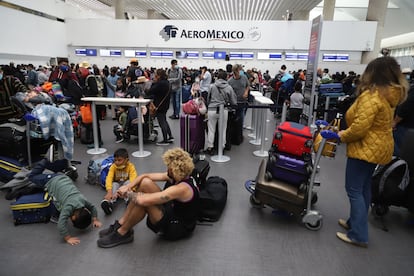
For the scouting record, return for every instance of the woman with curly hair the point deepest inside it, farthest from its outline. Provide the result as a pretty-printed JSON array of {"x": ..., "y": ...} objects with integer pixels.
[{"x": 171, "y": 211}]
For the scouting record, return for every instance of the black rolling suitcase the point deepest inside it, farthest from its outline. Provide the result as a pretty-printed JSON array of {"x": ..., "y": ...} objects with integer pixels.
[{"x": 13, "y": 143}]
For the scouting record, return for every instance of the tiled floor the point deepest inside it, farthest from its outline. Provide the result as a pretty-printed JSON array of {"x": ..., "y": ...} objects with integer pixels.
[{"x": 246, "y": 241}]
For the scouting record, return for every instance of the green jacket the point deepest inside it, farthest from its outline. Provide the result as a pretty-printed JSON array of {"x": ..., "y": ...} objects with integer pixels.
[{"x": 67, "y": 198}]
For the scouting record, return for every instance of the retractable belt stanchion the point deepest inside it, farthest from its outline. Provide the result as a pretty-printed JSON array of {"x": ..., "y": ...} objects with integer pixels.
[
  {"x": 255, "y": 115},
  {"x": 141, "y": 152},
  {"x": 96, "y": 149},
  {"x": 220, "y": 158},
  {"x": 284, "y": 113},
  {"x": 263, "y": 115}
]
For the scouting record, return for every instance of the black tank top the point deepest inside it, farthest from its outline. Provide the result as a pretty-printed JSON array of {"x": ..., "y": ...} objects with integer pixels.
[{"x": 186, "y": 211}]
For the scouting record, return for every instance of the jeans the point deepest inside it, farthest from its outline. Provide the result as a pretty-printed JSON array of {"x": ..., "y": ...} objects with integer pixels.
[
  {"x": 165, "y": 127},
  {"x": 39, "y": 178},
  {"x": 358, "y": 187},
  {"x": 176, "y": 101}
]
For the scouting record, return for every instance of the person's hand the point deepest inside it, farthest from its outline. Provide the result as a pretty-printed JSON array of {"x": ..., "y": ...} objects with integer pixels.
[
  {"x": 73, "y": 241},
  {"x": 108, "y": 196},
  {"x": 97, "y": 223},
  {"x": 122, "y": 191}
]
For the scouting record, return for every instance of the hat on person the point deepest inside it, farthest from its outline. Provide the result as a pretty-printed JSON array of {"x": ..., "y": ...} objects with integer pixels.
[
  {"x": 84, "y": 64},
  {"x": 406, "y": 70},
  {"x": 141, "y": 79},
  {"x": 133, "y": 60}
]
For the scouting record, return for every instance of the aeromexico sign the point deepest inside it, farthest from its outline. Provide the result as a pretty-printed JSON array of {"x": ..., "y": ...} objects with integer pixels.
[{"x": 232, "y": 36}]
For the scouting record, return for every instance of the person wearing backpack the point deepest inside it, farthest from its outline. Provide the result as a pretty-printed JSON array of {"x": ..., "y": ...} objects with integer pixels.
[
  {"x": 91, "y": 89},
  {"x": 120, "y": 173},
  {"x": 172, "y": 211},
  {"x": 369, "y": 140}
]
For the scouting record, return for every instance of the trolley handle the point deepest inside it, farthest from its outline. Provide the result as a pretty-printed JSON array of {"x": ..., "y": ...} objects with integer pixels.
[
  {"x": 329, "y": 134},
  {"x": 321, "y": 123}
]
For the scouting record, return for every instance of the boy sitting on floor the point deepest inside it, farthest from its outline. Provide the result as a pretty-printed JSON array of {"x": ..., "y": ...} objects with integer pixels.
[{"x": 121, "y": 172}]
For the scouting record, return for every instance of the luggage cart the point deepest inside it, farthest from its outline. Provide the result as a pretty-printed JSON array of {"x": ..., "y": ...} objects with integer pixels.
[{"x": 297, "y": 200}]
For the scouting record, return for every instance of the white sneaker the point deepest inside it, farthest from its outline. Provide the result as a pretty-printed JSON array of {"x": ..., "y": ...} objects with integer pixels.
[{"x": 119, "y": 141}]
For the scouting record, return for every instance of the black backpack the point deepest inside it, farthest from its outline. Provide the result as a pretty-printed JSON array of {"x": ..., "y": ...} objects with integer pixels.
[
  {"x": 389, "y": 183},
  {"x": 213, "y": 198}
]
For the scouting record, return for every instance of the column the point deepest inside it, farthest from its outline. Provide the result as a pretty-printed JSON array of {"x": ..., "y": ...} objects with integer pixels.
[
  {"x": 377, "y": 10},
  {"x": 119, "y": 9},
  {"x": 328, "y": 10}
]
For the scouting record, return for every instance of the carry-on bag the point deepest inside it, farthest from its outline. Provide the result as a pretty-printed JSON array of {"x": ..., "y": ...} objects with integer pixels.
[
  {"x": 287, "y": 168},
  {"x": 201, "y": 170},
  {"x": 277, "y": 193},
  {"x": 293, "y": 138},
  {"x": 8, "y": 168},
  {"x": 213, "y": 198},
  {"x": 13, "y": 143},
  {"x": 32, "y": 208},
  {"x": 192, "y": 135}
]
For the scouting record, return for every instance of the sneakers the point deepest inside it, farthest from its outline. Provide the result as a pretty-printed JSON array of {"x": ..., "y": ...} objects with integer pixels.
[
  {"x": 209, "y": 151},
  {"x": 170, "y": 140},
  {"x": 119, "y": 141},
  {"x": 110, "y": 229},
  {"x": 343, "y": 223},
  {"x": 107, "y": 207},
  {"x": 163, "y": 143},
  {"x": 174, "y": 117},
  {"x": 343, "y": 237},
  {"x": 115, "y": 239}
]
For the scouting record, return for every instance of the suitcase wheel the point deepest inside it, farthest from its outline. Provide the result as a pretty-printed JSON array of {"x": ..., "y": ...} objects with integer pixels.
[
  {"x": 379, "y": 210},
  {"x": 268, "y": 176},
  {"x": 314, "y": 227},
  {"x": 255, "y": 203}
]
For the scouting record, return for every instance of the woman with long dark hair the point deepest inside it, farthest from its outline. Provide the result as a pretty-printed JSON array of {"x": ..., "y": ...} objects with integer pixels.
[{"x": 160, "y": 91}]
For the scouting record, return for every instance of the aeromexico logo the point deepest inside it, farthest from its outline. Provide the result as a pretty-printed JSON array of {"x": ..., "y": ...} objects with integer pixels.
[{"x": 232, "y": 36}]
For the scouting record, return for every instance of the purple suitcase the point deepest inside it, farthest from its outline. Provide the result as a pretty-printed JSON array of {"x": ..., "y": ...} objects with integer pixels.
[
  {"x": 192, "y": 133},
  {"x": 287, "y": 168}
]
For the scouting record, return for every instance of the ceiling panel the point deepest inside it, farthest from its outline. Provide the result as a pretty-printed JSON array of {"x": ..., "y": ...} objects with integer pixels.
[{"x": 257, "y": 10}]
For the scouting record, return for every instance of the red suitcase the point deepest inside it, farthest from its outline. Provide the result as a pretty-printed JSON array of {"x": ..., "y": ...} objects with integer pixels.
[{"x": 293, "y": 138}]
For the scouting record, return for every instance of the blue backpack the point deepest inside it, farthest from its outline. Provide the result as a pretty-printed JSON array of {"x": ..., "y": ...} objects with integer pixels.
[
  {"x": 98, "y": 170},
  {"x": 105, "y": 165}
]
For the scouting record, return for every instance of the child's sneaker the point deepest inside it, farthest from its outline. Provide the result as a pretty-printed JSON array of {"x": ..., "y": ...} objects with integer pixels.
[{"x": 107, "y": 207}]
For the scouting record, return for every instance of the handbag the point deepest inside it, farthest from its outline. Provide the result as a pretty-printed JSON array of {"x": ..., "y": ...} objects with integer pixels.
[{"x": 152, "y": 109}]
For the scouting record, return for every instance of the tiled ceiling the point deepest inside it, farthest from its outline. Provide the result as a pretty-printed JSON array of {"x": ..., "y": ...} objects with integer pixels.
[{"x": 257, "y": 10}]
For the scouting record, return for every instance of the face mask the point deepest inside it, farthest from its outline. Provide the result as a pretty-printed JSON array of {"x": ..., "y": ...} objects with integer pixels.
[
  {"x": 64, "y": 68},
  {"x": 407, "y": 77},
  {"x": 120, "y": 167},
  {"x": 197, "y": 80},
  {"x": 1, "y": 76}
]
